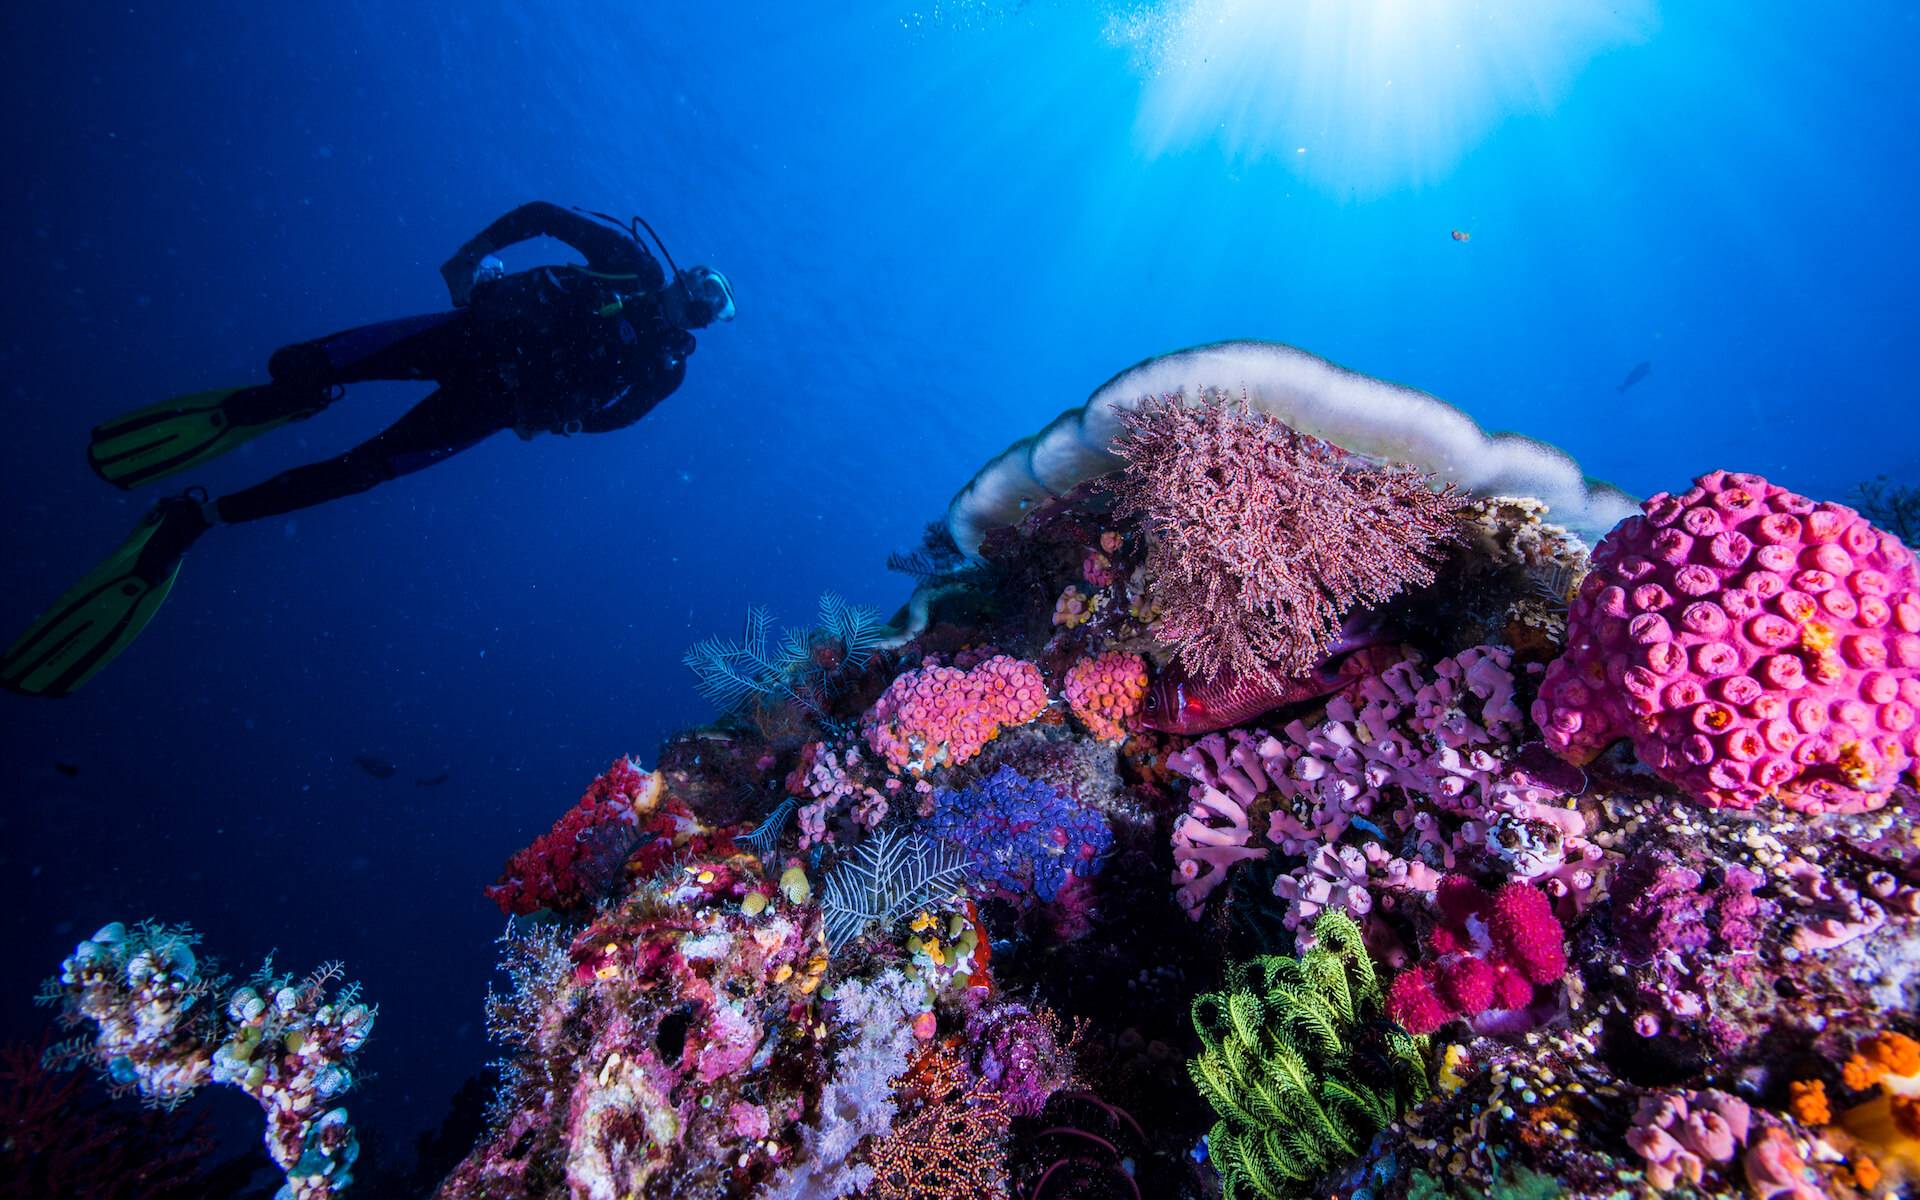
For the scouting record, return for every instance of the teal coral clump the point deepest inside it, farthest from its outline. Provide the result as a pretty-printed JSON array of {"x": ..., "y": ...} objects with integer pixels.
[
  {"x": 289, "y": 1044},
  {"x": 1300, "y": 1065}
]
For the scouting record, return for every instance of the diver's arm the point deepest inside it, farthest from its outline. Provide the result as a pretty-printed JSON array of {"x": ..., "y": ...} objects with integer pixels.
[{"x": 605, "y": 248}]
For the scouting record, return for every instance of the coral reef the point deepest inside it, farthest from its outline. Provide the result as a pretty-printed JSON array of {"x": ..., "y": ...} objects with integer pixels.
[
  {"x": 943, "y": 716},
  {"x": 1022, "y": 838},
  {"x": 1216, "y": 830},
  {"x": 1486, "y": 957},
  {"x": 581, "y": 858},
  {"x": 61, "y": 1140},
  {"x": 1107, "y": 693},
  {"x": 1752, "y": 643}
]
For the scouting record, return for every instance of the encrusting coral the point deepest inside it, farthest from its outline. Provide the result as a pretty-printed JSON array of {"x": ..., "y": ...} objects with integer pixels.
[{"x": 1752, "y": 643}]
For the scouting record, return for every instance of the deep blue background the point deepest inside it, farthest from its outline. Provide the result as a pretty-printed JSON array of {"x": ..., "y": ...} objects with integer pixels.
[{"x": 941, "y": 232}]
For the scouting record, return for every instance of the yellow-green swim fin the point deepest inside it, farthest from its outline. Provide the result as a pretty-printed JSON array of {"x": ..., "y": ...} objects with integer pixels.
[
  {"x": 175, "y": 435},
  {"x": 98, "y": 617}
]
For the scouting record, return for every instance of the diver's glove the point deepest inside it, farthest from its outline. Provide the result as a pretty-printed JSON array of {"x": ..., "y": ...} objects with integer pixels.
[{"x": 472, "y": 264}]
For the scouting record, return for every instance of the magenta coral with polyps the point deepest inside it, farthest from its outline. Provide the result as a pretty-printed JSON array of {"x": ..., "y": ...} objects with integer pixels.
[{"x": 1752, "y": 643}]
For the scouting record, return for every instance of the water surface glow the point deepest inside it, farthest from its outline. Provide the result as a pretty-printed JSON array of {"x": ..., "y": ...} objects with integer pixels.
[{"x": 1365, "y": 95}]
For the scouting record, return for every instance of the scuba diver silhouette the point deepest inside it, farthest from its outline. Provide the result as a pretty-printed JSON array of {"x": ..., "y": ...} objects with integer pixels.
[{"x": 559, "y": 349}]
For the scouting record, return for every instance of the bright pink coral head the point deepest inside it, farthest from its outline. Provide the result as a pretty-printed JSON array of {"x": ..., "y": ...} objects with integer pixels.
[
  {"x": 1460, "y": 898},
  {"x": 1468, "y": 984},
  {"x": 1416, "y": 1004},
  {"x": 1752, "y": 643},
  {"x": 1107, "y": 692},
  {"x": 942, "y": 716},
  {"x": 1526, "y": 934}
]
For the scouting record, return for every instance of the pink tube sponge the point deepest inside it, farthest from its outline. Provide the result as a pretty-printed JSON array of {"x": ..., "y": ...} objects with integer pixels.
[
  {"x": 1751, "y": 643},
  {"x": 943, "y": 716},
  {"x": 1107, "y": 693}
]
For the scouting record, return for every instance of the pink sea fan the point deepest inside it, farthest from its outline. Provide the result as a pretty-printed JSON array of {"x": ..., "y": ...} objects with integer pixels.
[{"x": 1263, "y": 537}]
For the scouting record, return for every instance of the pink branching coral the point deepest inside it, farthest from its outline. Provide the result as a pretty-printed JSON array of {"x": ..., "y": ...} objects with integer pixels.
[
  {"x": 831, "y": 780},
  {"x": 1752, "y": 643},
  {"x": 1216, "y": 831},
  {"x": 1107, "y": 693},
  {"x": 1683, "y": 1134},
  {"x": 1264, "y": 538},
  {"x": 1486, "y": 956},
  {"x": 943, "y": 716}
]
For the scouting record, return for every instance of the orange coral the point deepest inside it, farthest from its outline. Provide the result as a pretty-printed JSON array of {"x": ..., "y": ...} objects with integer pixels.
[
  {"x": 1809, "y": 1102},
  {"x": 1865, "y": 1173},
  {"x": 1881, "y": 1055}
]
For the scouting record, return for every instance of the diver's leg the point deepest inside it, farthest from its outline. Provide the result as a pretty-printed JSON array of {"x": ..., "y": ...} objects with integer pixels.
[
  {"x": 430, "y": 346},
  {"x": 440, "y": 426}
]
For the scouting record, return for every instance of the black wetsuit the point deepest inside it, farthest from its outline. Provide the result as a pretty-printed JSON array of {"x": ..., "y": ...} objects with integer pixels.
[{"x": 557, "y": 349}]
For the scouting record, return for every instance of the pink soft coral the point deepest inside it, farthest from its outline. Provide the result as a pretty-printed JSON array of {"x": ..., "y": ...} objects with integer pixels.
[
  {"x": 1264, "y": 538},
  {"x": 1485, "y": 958},
  {"x": 1683, "y": 1134}
]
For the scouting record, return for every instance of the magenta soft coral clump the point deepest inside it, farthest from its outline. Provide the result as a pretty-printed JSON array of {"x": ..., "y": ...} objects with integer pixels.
[
  {"x": 1527, "y": 934},
  {"x": 567, "y": 866},
  {"x": 943, "y": 716},
  {"x": 1487, "y": 955},
  {"x": 1751, "y": 643}
]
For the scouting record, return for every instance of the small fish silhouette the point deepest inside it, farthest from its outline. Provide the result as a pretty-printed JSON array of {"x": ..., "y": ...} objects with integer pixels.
[
  {"x": 433, "y": 780},
  {"x": 1461, "y": 235},
  {"x": 379, "y": 768},
  {"x": 1640, "y": 371}
]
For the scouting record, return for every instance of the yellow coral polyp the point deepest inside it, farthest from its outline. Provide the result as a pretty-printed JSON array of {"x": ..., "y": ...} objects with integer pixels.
[
  {"x": 1816, "y": 637},
  {"x": 794, "y": 885},
  {"x": 1856, "y": 766}
]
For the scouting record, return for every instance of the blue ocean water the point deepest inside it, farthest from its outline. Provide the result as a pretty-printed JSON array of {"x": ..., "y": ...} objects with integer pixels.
[{"x": 944, "y": 224}]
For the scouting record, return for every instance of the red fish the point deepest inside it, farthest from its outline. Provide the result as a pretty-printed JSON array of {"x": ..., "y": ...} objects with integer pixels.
[{"x": 1177, "y": 704}]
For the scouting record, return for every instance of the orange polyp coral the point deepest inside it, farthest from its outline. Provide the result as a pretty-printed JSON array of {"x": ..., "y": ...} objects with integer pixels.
[
  {"x": 1889, "y": 1124},
  {"x": 1809, "y": 1102},
  {"x": 1879, "y": 1056},
  {"x": 1816, "y": 638}
]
